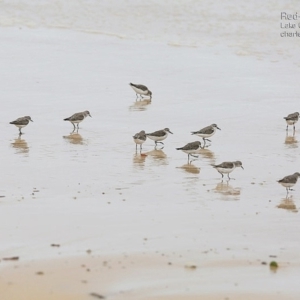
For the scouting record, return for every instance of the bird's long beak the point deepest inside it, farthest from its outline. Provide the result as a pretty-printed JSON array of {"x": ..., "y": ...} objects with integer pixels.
[
  {"x": 31, "y": 120},
  {"x": 170, "y": 132},
  {"x": 218, "y": 128},
  {"x": 90, "y": 115},
  {"x": 242, "y": 167}
]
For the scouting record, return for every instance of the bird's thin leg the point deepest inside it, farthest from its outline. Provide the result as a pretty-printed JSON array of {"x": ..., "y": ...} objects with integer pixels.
[
  {"x": 141, "y": 147},
  {"x": 294, "y": 127},
  {"x": 20, "y": 131},
  {"x": 77, "y": 126},
  {"x": 221, "y": 174},
  {"x": 208, "y": 140},
  {"x": 135, "y": 147},
  {"x": 188, "y": 158},
  {"x": 287, "y": 127}
]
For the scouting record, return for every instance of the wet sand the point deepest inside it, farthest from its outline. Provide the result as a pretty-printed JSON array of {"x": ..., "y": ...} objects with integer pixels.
[{"x": 92, "y": 191}]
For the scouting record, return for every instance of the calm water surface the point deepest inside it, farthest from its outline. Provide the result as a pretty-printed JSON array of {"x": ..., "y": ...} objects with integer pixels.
[{"x": 91, "y": 189}]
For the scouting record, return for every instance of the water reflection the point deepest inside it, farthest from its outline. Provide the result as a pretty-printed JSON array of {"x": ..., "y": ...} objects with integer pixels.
[
  {"x": 189, "y": 168},
  {"x": 20, "y": 145},
  {"x": 227, "y": 190},
  {"x": 207, "y": 154},
  {"x": 140, "y": 105},
  {"x": 139, "y": 160},
  {"x": 158, "y": 156},
  {"x": 75, "y": 138},
  {"x": 288, "y": 204},
  {"x": 291, "y": 141}
]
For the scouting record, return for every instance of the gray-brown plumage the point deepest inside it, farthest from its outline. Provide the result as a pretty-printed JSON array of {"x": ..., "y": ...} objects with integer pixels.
[
  {"x": 292, "y": 119},
  {"x": 21, "y": 122},
  {"x": 289, "y": 181},
  {"x": 191, "y": 149},
  {"x": 139, "y": 138},
  {"x": 77, "y": 118},
  {"x": 227, "y": 167},
  {"x": 206, "y": 132},
  {"x": 141, "y": 89},
  {"x": 159, "y": 135}
]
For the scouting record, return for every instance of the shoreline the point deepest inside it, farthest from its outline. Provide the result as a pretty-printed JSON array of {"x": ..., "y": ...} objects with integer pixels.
[{"x": 132, "y": 277}]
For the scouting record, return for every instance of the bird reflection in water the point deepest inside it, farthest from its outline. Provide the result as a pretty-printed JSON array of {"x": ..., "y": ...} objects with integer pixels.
[
  {"x": 207, "y": 154},
  {"x": 140, "y": 105},
  {"x": 227, "y": 190},
  {"x": 158, "y": 155},
  {"x": 291, "y": 141},
  {"x": 75, "y": 138},
  {"x": 288, "y": 204},
  {"x": 139, "y": 160},
  {"x": 190, "y": 168},
  {"x": 20, "y": 145}
]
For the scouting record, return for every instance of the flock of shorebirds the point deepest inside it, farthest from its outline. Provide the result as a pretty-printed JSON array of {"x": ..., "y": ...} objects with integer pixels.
[{"x": 191, "y": 149}]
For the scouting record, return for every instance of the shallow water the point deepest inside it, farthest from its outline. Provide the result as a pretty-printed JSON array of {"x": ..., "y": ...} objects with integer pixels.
[{"x": 91, "y": 190}]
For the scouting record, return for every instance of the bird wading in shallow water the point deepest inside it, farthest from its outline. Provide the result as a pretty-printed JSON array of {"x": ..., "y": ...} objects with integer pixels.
[
  {"x": 159, "y": 136},
  {"x": 139, "y": 138},
  {"x": 191, "y": 149},
  {"x": 227, "y": 167},
  {"x": 289, "y": 181},
  {"x": 291, "y": 119},
  {"x": 206, "y": 132},
  {"x": 77, "y": 118},
  {"x": 141, "y": 90},
  {"x": 21, "y": 122}
]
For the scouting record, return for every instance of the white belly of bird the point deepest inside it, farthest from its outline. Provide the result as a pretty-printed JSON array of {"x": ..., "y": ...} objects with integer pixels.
[
  {"x": 77, "y": 121},
  {"x": 157, "y": 138},
  {"x": 225, "y": 170},
  {"x": 194, "y": 151},
  {"x": 204, "y": 135},
  {"x": 20, "y": 126},
  {"x": 291, "y": 122},
  {"x": 138, "y": 141},
  {"x": 139, "y": 91},
  {"x": 287, "y": 185}
]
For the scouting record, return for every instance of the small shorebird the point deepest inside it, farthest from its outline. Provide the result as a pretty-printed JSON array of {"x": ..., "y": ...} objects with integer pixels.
[
  {"x": 77, "y": 118},
  {"x": 190, "y": 149},
  {"x": 227, "y": 167},
  {"x": 292, "y": 119},
  {"x": 141, "y": 90},
  {"x": 21, "y": 122},
  {"x": 206, "y": 132},
  {"x": 139, "y": 138},
  {"x": 289, "y": 181},
  {"x": 159, "y": 135}
]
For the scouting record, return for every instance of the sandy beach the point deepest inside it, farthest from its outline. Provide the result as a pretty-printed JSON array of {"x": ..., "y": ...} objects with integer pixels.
[{"x": 85, "y": 216}]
